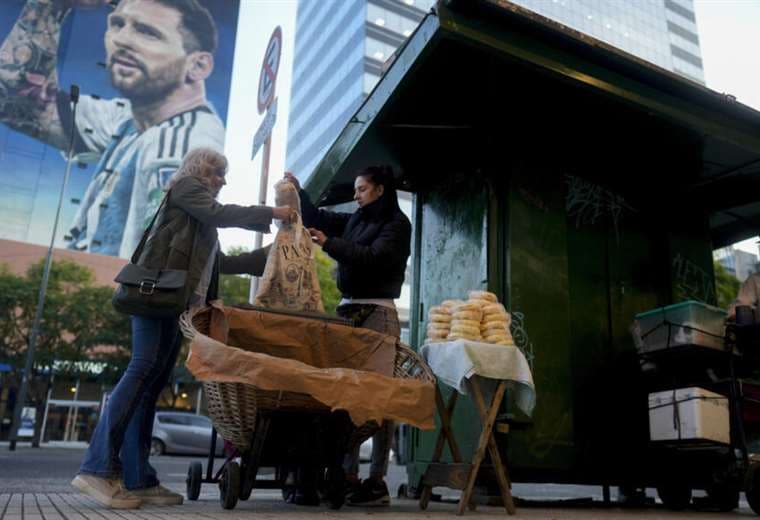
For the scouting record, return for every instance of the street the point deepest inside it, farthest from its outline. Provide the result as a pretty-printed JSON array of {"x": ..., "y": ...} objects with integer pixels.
[{"x": 34, "y": 485}]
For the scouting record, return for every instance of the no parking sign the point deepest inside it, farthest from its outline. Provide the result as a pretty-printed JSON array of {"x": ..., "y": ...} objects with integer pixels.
[{"x": 269, "y": 68}]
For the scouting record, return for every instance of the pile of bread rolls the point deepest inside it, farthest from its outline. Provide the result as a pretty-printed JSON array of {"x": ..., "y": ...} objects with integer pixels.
[{"x": 480, "y": 318}]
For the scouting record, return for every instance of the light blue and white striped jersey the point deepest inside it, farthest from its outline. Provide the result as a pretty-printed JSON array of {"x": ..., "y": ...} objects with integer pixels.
[{"x": 133, "y": 168}]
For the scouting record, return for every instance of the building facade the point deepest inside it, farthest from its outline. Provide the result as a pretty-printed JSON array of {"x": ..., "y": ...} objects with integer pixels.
[
  {"x": 740, "y": 264},
  {"x": 342, "y": 45},
  {"x": 663, "y": 32},
  {"x": 340, "y": 49}
]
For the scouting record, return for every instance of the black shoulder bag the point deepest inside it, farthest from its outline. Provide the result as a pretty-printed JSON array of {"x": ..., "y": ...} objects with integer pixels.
[{"x": 152, "y": 293}]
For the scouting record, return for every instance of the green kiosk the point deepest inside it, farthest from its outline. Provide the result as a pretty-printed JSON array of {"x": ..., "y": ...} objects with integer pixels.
[{"x": 580, "y": 184}]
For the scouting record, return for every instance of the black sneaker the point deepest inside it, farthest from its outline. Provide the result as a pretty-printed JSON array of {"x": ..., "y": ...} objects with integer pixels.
[
  {"x": 352, "y": 486},
  {"x": 370, "y": 494}
]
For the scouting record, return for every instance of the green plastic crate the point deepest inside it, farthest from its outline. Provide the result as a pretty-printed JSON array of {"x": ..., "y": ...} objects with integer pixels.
[{"x": 689, "y": 323}]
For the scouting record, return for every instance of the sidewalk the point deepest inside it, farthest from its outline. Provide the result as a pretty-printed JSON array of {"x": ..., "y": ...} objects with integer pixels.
[{"x": 63, "y": 506}]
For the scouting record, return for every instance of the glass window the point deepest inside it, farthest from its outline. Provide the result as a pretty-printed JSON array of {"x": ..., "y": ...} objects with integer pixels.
[
  {"x": 199, "y": 420},
  {"x": 370, "y": 80}
]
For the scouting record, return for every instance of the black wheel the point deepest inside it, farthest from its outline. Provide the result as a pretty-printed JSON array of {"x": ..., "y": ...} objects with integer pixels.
[
  {"x": 193, "y": 481},
  {"x": 724, "y": 496},
  {"x": 246, "y": 484},
  {"x": 157, "y": 447},
  {"x": 752, "y": 487},
  {"x": 336, "y": 487},
  {"x": 675, "y": 496},
  {"x": 229, "y": 485}
]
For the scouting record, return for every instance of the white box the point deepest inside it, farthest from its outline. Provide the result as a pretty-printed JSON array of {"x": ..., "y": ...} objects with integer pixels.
[{"x": 700, "y": 415}]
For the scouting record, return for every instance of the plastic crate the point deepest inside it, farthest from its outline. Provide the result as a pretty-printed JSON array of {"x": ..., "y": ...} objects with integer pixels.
[{"x": 690, "y": 323}]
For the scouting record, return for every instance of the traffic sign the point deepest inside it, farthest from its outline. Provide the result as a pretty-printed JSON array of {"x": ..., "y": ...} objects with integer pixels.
[
  {"x": 265, "y": 129},
  {"x": 269, "y": 68}
]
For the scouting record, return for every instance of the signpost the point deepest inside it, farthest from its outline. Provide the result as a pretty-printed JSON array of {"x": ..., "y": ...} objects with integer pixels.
[{"x": 266, "y": 102}]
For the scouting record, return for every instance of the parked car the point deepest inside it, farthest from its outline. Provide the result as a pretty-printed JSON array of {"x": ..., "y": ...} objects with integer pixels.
[{"x": 182, "y": 432}]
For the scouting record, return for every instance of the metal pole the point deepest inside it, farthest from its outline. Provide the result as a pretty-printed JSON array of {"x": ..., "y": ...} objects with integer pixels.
[
  {"x": 263, "y": 183},
  {"x": 74, "y": 97},
  {"x": 45, "y": 415}
]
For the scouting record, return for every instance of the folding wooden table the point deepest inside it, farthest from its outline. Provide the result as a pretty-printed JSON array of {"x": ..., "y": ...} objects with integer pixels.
[
  {"x": 460, "y": 474},
  {"x": 475, "y": 369}
]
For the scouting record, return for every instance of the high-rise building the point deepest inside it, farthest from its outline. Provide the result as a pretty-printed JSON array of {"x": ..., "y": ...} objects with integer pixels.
[
  {"x": 340, "y": 49},
  {"x": 738, "y": 263},
  {"x": 341, "y": 46},
  {"x": 663, "y": 32}
]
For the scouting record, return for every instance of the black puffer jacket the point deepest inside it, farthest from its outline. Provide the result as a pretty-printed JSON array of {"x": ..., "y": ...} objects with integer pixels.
[{"x": 370, "y": 245}]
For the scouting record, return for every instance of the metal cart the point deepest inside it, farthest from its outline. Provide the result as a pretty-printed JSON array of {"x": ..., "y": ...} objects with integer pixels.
[{"x": 722, "y": 470}]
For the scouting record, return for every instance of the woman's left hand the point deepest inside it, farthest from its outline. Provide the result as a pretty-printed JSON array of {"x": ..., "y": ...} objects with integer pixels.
[{"x": 317, "y": 236}]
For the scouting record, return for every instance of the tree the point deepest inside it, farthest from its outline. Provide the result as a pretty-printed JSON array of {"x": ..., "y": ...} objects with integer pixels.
[
  {"x": 726, "y": 285},
  {"x": 234, "y": 288},
  {"x": 326, "y": 269},
  {"x": 79, "y": 326}
]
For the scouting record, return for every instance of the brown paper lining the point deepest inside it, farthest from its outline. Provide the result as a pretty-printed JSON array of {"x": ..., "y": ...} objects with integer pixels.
[{"x": 345, "y": 368}]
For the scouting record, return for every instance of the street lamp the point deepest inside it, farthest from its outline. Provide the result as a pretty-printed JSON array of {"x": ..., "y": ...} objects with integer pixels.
[{"x": 73, "y": 99}]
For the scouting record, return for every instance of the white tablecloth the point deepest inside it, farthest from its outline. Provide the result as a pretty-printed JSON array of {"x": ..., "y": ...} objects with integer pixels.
[{"x": 454, "y": 362}]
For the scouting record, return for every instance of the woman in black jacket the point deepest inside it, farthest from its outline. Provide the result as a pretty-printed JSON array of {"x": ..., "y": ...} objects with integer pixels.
[{"x": 371, "y": 246}]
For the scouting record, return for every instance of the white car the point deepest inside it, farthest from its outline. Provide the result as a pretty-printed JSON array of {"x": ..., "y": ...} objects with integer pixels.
[{"x": 183, "y": 432}]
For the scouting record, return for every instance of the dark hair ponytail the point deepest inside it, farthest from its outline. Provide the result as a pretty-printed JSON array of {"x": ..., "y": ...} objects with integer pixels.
[{"x": 382, "y": 175}]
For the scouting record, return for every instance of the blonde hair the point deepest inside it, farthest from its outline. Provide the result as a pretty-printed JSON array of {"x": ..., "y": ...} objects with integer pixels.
[{"x": 201, "y": 163}]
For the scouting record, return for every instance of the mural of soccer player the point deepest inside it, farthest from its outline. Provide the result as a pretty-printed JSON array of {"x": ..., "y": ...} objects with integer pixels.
[{"x": 159, "y": 54}]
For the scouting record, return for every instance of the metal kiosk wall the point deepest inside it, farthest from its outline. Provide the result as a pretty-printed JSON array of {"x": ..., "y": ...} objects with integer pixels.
[{"x": 580, "y": 184}]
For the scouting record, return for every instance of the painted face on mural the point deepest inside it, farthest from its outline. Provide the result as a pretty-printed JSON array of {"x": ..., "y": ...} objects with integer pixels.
[{"x": 145, "y": 50}]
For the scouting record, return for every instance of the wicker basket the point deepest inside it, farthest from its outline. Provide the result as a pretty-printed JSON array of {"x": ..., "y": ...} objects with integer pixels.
[{"x": 233, "y": 406}]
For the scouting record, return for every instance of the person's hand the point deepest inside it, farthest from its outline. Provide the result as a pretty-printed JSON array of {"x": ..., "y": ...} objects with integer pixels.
[
  {"x": 292, "y": 179},
  {"x": 284, "y": 213},
  {"x": 317, "y": 236}
]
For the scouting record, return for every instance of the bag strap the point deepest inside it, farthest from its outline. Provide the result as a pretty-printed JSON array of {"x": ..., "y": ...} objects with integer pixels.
[{"x": 146, "y": 233}]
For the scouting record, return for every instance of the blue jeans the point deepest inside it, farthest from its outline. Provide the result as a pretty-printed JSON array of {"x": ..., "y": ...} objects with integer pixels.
[{"x": 120, "y": 444}]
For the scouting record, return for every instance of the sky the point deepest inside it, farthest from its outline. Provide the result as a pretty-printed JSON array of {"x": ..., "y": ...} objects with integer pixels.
[{"x": 729, "y": 32}]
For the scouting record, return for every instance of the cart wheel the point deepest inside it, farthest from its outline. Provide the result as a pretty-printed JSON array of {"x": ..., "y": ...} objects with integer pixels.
[
  {"x": 193, "y": 481},
  {"x": 675, "y": 496},
  {"x": 229, "y": 485},
  {"x": 246, "y": 485},
  {"x": 336, "y": 487},
  {"x": 752, "y": 487},
  {"x": 724, "y": 496}
]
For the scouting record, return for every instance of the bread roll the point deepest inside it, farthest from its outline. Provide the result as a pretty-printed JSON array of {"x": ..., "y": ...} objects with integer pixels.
[
  {"x": 483, "y": 295},
  {"x": 493, "y": 325},
  {"x": 465, "y": 329},
  {"x": 492, "y": 308},
  {"x": 466, "y": 306},
  {"x": 467, "y": 315},
  {"x": 439, "y": 309},
  {"x": 457, "y": 335}
]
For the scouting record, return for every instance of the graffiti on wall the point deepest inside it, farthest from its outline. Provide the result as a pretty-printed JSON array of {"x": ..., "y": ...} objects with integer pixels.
[
  {"x": 590, "y": 203},
  {"x": 691, "y": 282},
  {"x": 521, "y": 338}
]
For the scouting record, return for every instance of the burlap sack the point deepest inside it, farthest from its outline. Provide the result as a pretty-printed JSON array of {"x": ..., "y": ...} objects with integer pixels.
[{"x": 290, "y": 276}]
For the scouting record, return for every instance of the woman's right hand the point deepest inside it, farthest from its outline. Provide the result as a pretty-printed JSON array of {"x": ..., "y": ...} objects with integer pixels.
[
  {"x": 284, "y": 213},
  {"x": 293, "y": 180}
]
